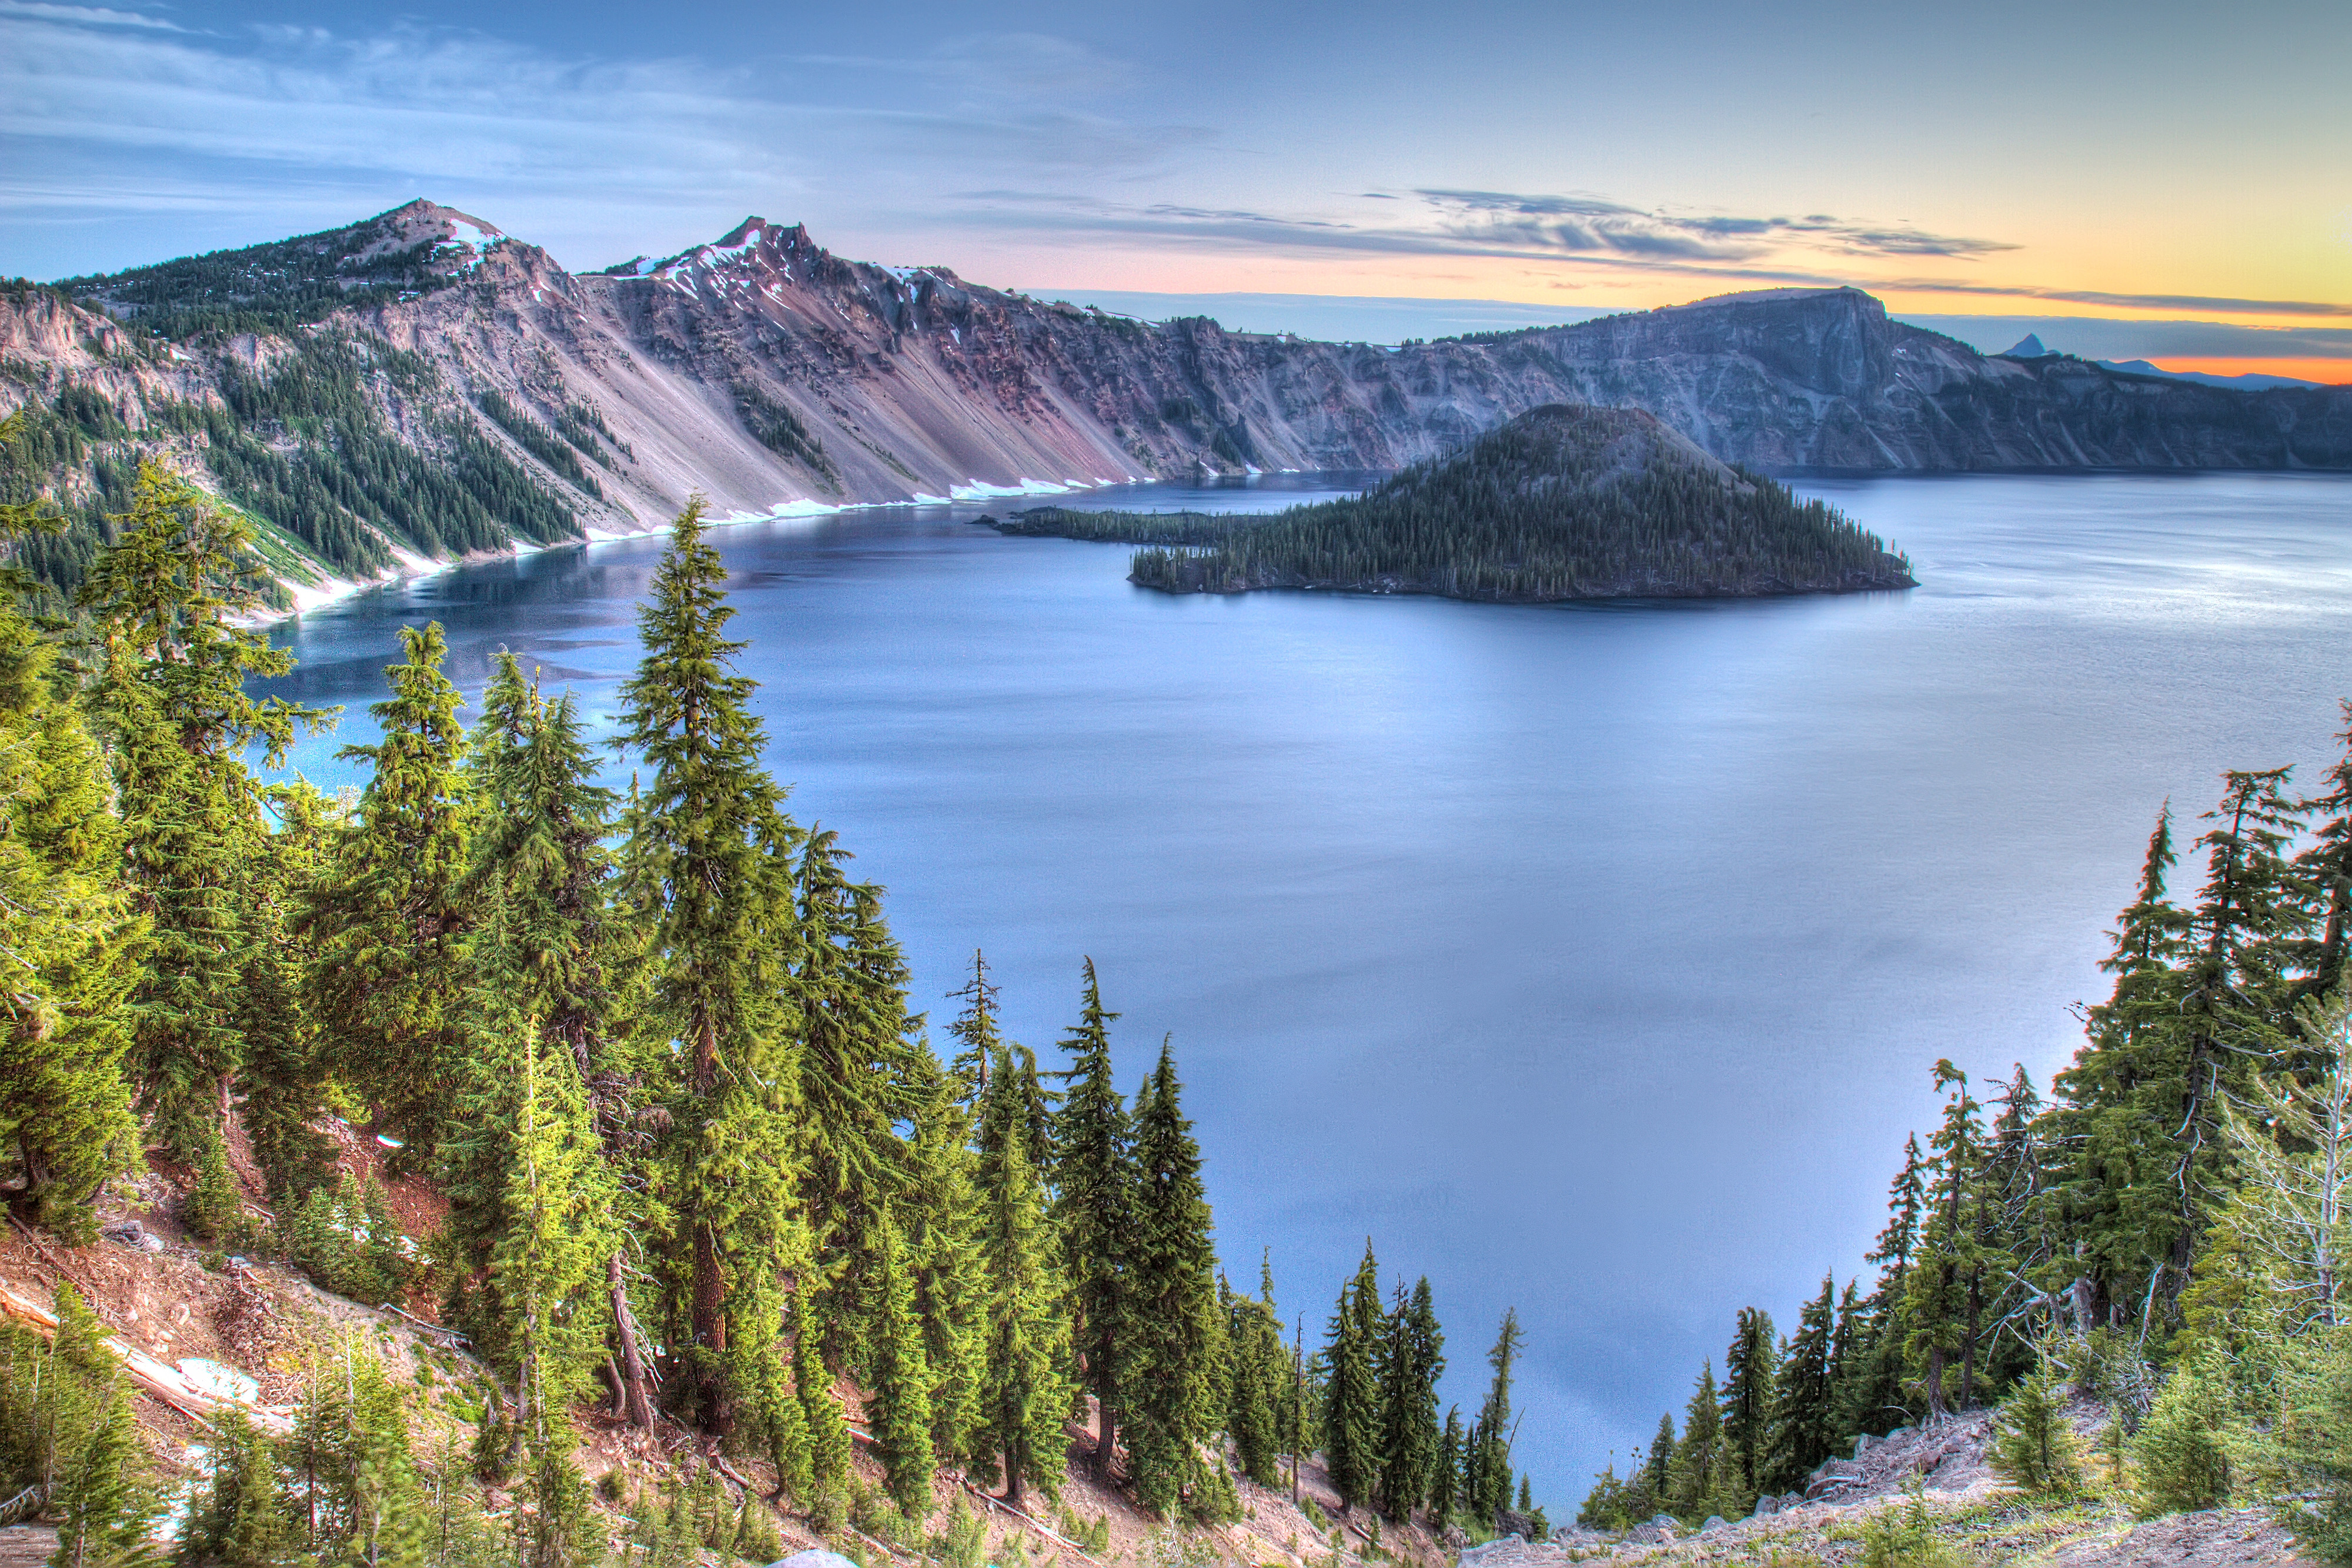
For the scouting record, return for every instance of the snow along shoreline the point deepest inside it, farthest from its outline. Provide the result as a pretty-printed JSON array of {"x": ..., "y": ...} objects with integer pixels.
[{"x": 325, "y": 589}]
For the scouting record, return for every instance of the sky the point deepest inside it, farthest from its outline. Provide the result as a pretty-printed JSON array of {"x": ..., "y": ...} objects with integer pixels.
[{"x": 2152, "y": 161}]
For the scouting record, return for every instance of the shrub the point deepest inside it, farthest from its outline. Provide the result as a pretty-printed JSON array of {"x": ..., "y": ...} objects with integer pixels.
[
  {"x": 2181, "y": 1451},
  {"x": 2034, "y": 1447}
]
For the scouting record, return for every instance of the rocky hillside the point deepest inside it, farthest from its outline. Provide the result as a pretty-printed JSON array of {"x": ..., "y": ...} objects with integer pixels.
[
  {"x": 420, "y": 384},
  {"x": 1926, "y": 1496}
]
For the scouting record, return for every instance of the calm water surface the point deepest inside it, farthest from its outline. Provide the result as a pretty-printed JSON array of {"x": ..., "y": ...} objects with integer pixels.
[{"x": 1591, "y": 960}]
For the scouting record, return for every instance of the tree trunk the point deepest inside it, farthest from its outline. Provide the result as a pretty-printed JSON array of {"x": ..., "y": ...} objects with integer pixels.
[
  {"x": 1106, "y": 1442},
  {"x": 1011, "y": 1477},
  {"x": 636, "y": 1405}
]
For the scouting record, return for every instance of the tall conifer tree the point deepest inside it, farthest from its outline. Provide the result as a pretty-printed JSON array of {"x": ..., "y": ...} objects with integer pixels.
[
  {"x": 65, "y": 1118},
  {"x": 389, "y": 979},
  {"x": 172, "y": 703},
  {"x": 1750, "y": 1369},
  {"x": 1025, "y": 1389},
  {"x": 707, "y": 870},
  {"x": 1351, "y": 1395},
  {"x": 1412, "y": 1360},
  {"x": 1174, "y": 1366},
  {"x": 1093, "y": 1207}
]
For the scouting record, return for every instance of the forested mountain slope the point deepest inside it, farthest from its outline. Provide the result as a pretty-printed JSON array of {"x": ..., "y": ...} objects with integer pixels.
[{"x": 419, "y": 383}]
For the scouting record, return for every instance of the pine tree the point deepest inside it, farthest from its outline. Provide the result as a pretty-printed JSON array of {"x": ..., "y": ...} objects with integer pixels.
[
  {"x": 388, "y": 976},
  {"x": 172, "y": 703},
  {"x": 1656, "y": 1471},
  {"x": 1749, "y": 1375},
  {"x": 2325, "y": 867},
  {"x": 1412, "y": 1359},
  {"x": 2180, "y": 1456},
  {"x": 1445, "y": 1476},
  {"x": 1094, "y": 1190},
  {"x": 1174, "y": 1365},
  {"x": 1695, "y": 1473},
  {"x": 240, "y": 1519},
  {"x": 1941, "y": 1306},
  {"x": 1491, "y": 1494},
  {"x": 103, "y": 1500},
  {"x": 66, "y": 1119},
  {"x": 1025, "y": 1389},
  {"x": 1803, "y": 1399},
  {"x": 1257, "y": 1379},
  {"x": 549, "y": 1253},
  {"x": 214, "y": 1208},
  {"x": 285, "y": 1072},
  {"x": 708, "y": 871},
  {"x": 902, "y": 1381},
  {"x": 2113, "y": 1089},
  {"x": 942, "y": 1218},
  {"x": 2034, "y": 1445},
  {"x": 1351, "y": 1415},
  {"x": 821, "y": 1414}
]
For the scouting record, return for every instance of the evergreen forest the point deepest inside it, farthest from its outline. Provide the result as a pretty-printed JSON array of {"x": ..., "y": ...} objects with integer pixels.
[
  {"x": 2160, "y": 1240},
  {"x": 706, "y": 1180},
  {"x": 1560, "y": 503}
]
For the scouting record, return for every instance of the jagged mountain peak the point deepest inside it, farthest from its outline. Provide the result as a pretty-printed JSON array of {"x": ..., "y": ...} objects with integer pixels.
[{"x": 2027, "y": 348}]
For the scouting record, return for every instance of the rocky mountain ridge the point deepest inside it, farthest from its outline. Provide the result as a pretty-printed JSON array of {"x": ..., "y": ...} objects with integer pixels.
[{"x": 776, "y": 377}]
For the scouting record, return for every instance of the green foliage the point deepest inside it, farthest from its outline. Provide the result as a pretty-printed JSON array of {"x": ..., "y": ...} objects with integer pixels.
[
  {"x": 388, "y": 978},
  {"x": 1175, "y": 1351},
  {"x": 1025, "y": 1387},
  {"x": 1257, "y": 1382},
  {"x": 345, "y": 1238},
  {"x": 2181, "y": 1456},
  {"x": 1351, "y": 1413},
  {"x": 706, "y": 873},
  {"x": 2034, "y": 1446},
  {"x": 901, "y": 1385},
  {"x": 1805, "y": 1395},
  {"x": 1411, "y": 1359},
  {"x": 214, "y": 1208},
  {"x": 269, "y": 287},
  {"x": 1560, "y": 503},
  {"x": 2308, "y": 1452},
  {"x": 538, "y": 440},
  {"x": 172, "y": 705},
  {"x": 1904, "y": 1536},
  {"x": 1092, "y": 1197},
  {"x": 242, "y": 1517},
  {"x": 776, "y": 427},
  {"x": 65, "y": 1118},
  {"x": 1749, "y": 1373},
  {"x": 1487, "y": 1467}
]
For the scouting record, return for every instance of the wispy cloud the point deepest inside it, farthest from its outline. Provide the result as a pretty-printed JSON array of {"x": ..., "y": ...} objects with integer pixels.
[
  {"x": 107, "y": 113},
  {"x": 86, "y": 16},
  {"x": 1578, "y": 223}
]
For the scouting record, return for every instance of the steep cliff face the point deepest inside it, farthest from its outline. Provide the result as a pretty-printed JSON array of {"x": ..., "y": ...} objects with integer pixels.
[{"x": 771, "y": 375}]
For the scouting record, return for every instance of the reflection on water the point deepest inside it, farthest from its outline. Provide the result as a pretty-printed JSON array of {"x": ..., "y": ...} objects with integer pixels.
[{"x": 1589, "y": 958}]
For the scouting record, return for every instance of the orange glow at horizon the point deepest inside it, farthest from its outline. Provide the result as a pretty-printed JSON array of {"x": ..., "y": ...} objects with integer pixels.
[{"x": 2334, "y": 372}]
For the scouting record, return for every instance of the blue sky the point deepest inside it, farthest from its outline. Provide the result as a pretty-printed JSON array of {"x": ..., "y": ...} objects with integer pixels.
[{"x": 2155, "y": 162}]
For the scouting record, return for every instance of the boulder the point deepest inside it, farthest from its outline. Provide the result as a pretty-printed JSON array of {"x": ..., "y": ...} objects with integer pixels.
[
  {"x": 1767, "y": 1506},
  {"x": 1665, "y": 1521},
  {"x": 1861, "y": 1444},
  {"x": 1715, "y": 1522}
]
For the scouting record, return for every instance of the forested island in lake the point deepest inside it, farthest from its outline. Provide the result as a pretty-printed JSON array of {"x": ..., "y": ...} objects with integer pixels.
[{"x": 1561, "y": 503}]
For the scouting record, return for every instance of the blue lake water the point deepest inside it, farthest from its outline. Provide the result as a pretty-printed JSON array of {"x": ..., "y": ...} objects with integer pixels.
[{"x": 1590, "y": 959}]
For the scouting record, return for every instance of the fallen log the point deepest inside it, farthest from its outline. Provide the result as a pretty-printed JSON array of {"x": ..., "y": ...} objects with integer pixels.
[{"x": 159, "y": 1379}]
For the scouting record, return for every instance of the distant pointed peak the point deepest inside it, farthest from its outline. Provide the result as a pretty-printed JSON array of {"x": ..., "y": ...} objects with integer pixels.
[{"x": 2027, "y": 348}]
